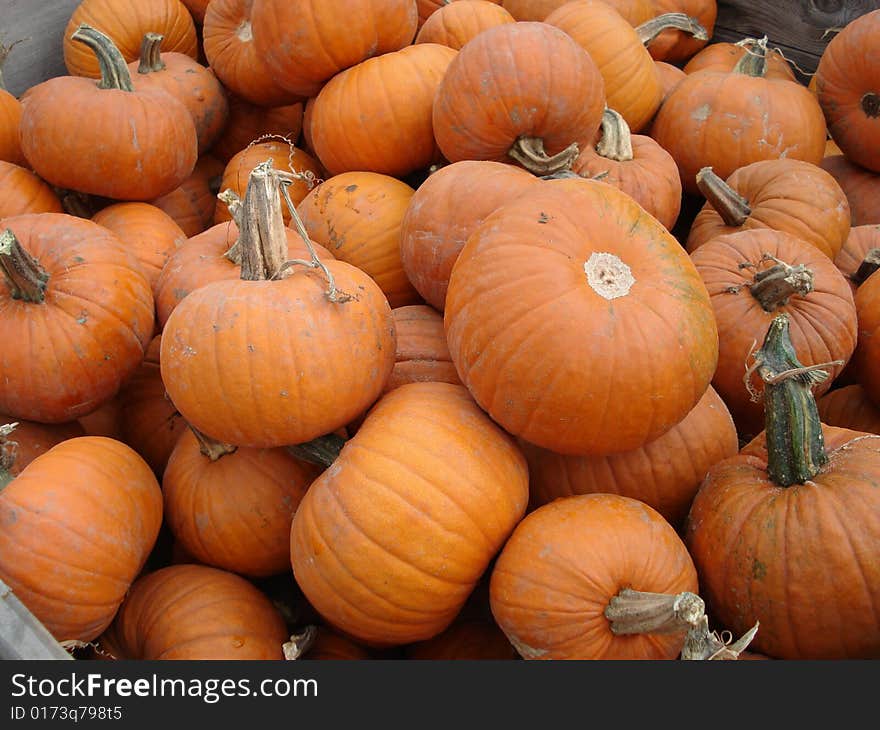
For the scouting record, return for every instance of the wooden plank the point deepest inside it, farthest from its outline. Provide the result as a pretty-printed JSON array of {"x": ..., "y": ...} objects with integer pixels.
[
  {"x": 38, "y": 27},
  {"x": 799, "y": 28}
]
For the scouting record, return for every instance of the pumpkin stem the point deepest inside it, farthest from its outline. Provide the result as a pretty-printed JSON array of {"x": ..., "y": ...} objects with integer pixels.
[
  {"x": 773, "y": 287},
  {"x": 650, "y": 29},
  {"x": 211, "y": 448},
  {"x": 871, "y": 104},
  {"x": 230, "y": 198},
  {"x": 795, "y": 445},
  {"x": 701, "y": 644},
  {"x": 529, "y": 152},
  {"x": 114, "y": 69},
  {"x": 24, "y": 275},
  {"x": 299, "y": 643},
  {"x": 616, "y": 141},
  {"x": 8, "y": 452},
  {"x": 4, "y": 54},
  {"x": 754, "y": 62},
  {"x": 733, "y": 208},
  {"x": 262, "y": 239},
  {"x": 151, "y": 57},
  {"x": 869, "y": 265},
  {"x": 322, "y": 450}
]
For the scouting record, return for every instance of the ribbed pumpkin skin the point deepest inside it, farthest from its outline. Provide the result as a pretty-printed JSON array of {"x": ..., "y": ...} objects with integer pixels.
[
  {"x": 724, "y": 56},
  {"x": 427, "y": 7},
  {"x": 507, "y": 83},
  {"x": 22, "y": 191},
  {"x": 197, "y": 8},
  {"x": 861, "y": 239},
  {"x": 234, "y": 513},
  {"x": 247, "y": 122},
  {"x": 729, "y": 120},
  {"x": 455, "y": 23},
  {"x": 357, "y": 216},
  {"x": 867, "y": 353},
  {"x": 389, "y": 542},
  {"x": 785, "y": 195},
  {"x": 10, "y": 116},
  {"x": 148, "y": 421},
  {"x": 284, "y": 157},
  {"x": 155, "y": 154},
  {"x": 531, "y": 9},
  {"x": 823, "y": 325},
  {"x": 518, "y": 291},
  {"x": 304, "y": 44},
  {"x": 125, "y": 22},
  {"x": 191, "y": 205},
  {"x": 442, "y": 214},
  {"x": 819, "y": 597},
  {"x": 271, "y": 363},
  {"x": 32, "y": 439},
  {"x": 632, "y": 85},
  {"x": 74, "y": 350},
  {"x": 650, "y": 177},
  {"x": 148, "y": 232},
  {"x": 422, "y": 352},
  {"x": 196, "y": 612},
  {"x": 848, "y": 71},
  {"x": 330, "y": 645},
  {"x": 232, "y": 54},
  {"x": 862, "y": 188},
  {"x": 849, "y": 407},
  {"x": 465, "y": 640},
  {"x": 669, "y": 76},
  {"x": 76, "y": 527},
  {"x": 664, "y": 474},
  {"x": 565, "y": 561},
  {"x": 388, "y": 129},
  {"x": 201, "y": 260}
]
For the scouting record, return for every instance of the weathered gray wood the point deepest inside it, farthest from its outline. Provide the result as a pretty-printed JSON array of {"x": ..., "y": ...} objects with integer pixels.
[
  {"x": 799, "y": 28},
  {"x": 39, "y": 26},
  {"x": 22, "y": 636}
]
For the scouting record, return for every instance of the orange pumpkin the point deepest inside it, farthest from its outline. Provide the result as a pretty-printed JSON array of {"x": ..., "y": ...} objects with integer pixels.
[
  {"x": 389, "y": 541},
  {"x": 867, "y": 352},
  {"x": 578, "y": 255},
  {"x": 723, "y": 56},
  {"x": 22, "y": 191},
  {"x": 567, "y": 560},
  {"x": 861, "y": 186},
  {"x": 87, "y": 512},
  {"x": 192, "y": 204},
  {"x": 849, "y": 407},
  {"x": 859, "y": 257},
  {"x": 357, "y": 217},
  {"x": 466, "y": 639},
  {"x": 26, "y": 440},
  {"x": 422, "y": 353},
  {"x": 10, "y": 117},
  {"x": 675, "y": 44},
  {"x": 249, "y": 122},
  {"x": 455, "y": 23}
]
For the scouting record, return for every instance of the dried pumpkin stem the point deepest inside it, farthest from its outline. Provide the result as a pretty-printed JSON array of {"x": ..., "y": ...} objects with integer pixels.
[
  {"x": 773, "y": 287},
  {"x": 869, "y": 265},
  {"x": 211, "y": 448},
  {"x": 703, "y": 644},
  {"x": 114, "y": 69},
  {"x": 230, "y": 198},
  {"x": 733, "y": 208},
  {"x": 4, "y": 54},
  {"x": 795, "y": 445},
  {"x": 754, "y": 62},
  {"x": 616, "y": 141},
  {"x": 8, "y": 452},
  {"x": 641, "y": 612},
  {"x": 27, "y": 280},
  {"x": 650, "y": 29},
  {"x": 151, "y": 54},
  {"x": 262, "y": 236},
  {"x": 299, "y": 643},
  {"x": 529, "y": 152},
  {"x": 323, "y": 450}
]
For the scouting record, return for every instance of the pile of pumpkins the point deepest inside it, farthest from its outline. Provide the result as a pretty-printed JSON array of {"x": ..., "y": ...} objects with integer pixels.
[{"x": 393, "y": 337}]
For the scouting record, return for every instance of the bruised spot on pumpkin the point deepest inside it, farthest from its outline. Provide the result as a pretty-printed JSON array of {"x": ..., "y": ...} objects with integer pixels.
[
  {"x": 759, "y": 570},
  {"x": 351, "y": 188},
  {"x": 543, "y": 218},
  {"x": 701, "y": 113}
]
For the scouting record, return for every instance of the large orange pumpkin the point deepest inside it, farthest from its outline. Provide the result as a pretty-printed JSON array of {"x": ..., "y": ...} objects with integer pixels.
[
  {"x": 422, "y": 352},
  {"x": 577, "y": 320},
  {"x": 867, "y": 353},
  {"x": 389, "y": 541},
  {"x": 10, "y": 117},
  {"x": 249, "y": 122},
  {"x": 849, "y": 407},
  {"x": 455, "y": 23},
  {"x": 861, "y": 186},
  {"x": 191, "y": 205},
  {"x": 23, "y": 441},
  {"x": 76, "y": 527},
  {"x": 22, "y": 191},
  {"x": 76, "y": 312}
]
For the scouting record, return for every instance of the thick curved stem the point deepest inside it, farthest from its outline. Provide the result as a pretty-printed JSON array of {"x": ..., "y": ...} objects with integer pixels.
[
  {"x": 322, "y": 450},
  {"x": 616, "y": 141},
  {"x": 114, "y": 69},
  {"x": 262, "y": 238},
  {"x": 754, "y": 62},
  {"x": 529, "y": 152},
  {"x": 640, "y": 612},
  {"x": 151, "y": 54},
  {"x": 27, "y": 280},
  {"x": 650, "y": 29},
  {"x": 702, "y": 644},
  {"x": 733, "y": 208},
  {"x": 869, "y": 265},
  {"x": 795, "y": 445},
  {"x": 210, "y": 448},
  {"x": 773, "y": 287}
]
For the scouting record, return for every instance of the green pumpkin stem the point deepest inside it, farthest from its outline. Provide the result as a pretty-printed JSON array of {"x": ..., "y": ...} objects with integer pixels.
[
  {"x": 211, "y": 448},
  {"x": 322, "y": 450},
  {"x": 114, "y": 68},
  {"x": 616, "y": 141},
  {"x": 754, "y": 61},
  {"x": 733, "y": 208},
  {"x": 869, "y": 265},
  {"x": 773, "y": 287},
  {"x": 151, "y": 54},
  {"x": 650, "y": 29},
  {"x": 529, "y": 152},
  {"x": 27, "y": 280},
  {"x": 795, "y": 445}
]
